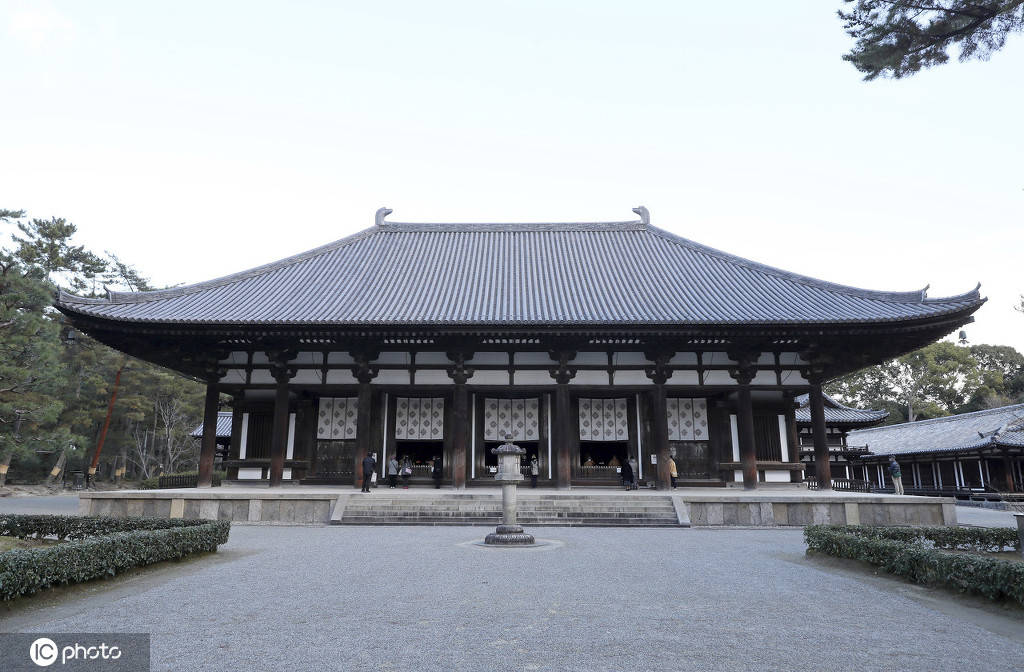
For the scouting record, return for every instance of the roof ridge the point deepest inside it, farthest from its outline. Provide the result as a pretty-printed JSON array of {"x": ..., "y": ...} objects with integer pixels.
[
  {"x": 917, "y": 296},
  {"x": 509, "y": 227},
  {"x": 949, "y": 418}
]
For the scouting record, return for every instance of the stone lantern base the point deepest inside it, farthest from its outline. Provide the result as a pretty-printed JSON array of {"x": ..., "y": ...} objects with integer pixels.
[{"x": 509, "y": 535}]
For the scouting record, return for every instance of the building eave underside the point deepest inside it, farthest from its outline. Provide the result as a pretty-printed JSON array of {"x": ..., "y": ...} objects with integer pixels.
[{"x": 847, "y": 347}]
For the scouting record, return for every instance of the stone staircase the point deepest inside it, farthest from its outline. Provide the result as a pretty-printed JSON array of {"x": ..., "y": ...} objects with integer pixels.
[{"x": 609, "y": 510}]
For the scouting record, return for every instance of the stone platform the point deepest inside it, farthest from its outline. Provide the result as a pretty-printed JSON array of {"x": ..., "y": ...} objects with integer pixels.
[{"x": 684, "y": 507}]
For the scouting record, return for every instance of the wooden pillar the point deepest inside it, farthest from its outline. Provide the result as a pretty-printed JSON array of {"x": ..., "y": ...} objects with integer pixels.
[
  {"x": 209, "y": 442},
  {"x": 460, "y": 436},
  {"x": 659, "y": 375},
  {"x": 364, "y": 373},
  {"x": 822, "y": 467},
  {"x": 745, "y": 435},
  {"x": 562, "y": 423},
  {"x": 1008, "y": 469},
  {"x": 743, "y": 373},
  {"x": 279, "y": 432},
  {"x": 563, "y": 437},
  {"x": 460, "y": 374},
  {"x": 659, "y": 435}
]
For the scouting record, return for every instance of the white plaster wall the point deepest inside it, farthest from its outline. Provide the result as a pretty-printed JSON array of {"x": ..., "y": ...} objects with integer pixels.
[
  {"x": 589, "y": 378},
  {"x": 262, "y": 377},
  {"x": 489, "y": 378},
  {"x": 341, "y": 377},
  {"x": 339, "y": 358},
  {"x": 533, "y": 378},
  {"x": 631, "y": 378},
  {"x": 308, "y": 377},
  {"x": 718, "y": 378},
  {"x": 683, "y": 378},
  {"x": 433, "y": 378}
]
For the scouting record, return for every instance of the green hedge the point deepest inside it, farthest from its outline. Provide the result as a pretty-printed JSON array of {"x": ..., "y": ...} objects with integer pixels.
[
  {"x": 919, "y": 554},
  {"x": 99, "y": 547}
]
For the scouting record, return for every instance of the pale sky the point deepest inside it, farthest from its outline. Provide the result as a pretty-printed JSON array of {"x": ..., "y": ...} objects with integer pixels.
[{"x": 195, "y": 139}]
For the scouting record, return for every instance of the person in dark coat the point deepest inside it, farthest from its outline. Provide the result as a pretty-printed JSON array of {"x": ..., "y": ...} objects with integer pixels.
[
  {"x": 627, "y": 475},
  {"x": 369, "y": 466},
  {"x": 437, "y": 470}
]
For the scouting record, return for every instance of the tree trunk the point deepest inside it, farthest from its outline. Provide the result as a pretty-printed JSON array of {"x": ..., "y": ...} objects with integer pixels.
[{"x": 5, "y": 463}]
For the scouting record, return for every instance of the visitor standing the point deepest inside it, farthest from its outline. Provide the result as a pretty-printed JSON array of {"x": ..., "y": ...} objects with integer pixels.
[
  {"x": 406, "y": 471},
  {"x": 896, "y": 474},
  {"x": 672, "y": 471},
  {"x": 635, "y": 468},
  {"x": 627, "y": 475},
  {"x": 393, "y": 471},
  {"x": 369, "y": 466},
  {"x": 436, "y": 470},
  {"x": 534, "y": 471}
]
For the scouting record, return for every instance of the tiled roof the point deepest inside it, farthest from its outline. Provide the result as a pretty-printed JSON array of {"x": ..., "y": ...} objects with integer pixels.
[
  {"x": 838, "y": 414},
  {"x": 967, "y": 431},
  {"x": 516, "y": 274},
  {"x": 223, "y": 426}
]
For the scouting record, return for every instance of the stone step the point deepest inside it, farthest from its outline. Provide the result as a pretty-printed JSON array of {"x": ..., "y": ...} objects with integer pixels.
[
  {"x": 497, "y": 506},
  {"x": 597, "y": 522},
  {"x": 623, "y": 510},
  {"x": 496, "y": 515}
]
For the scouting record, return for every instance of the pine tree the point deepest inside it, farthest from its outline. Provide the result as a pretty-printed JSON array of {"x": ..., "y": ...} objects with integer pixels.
[{"x": 897, "y": 38}]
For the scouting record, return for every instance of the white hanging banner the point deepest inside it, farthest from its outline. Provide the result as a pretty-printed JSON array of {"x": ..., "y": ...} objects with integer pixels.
[
  {"x": 603, "y": 420},
  {"x": 518, "y": 417},
  {"x": 687, "y": 419},
  {"x": 337, "y": 418},
  {"x": 419, "y": 419}
]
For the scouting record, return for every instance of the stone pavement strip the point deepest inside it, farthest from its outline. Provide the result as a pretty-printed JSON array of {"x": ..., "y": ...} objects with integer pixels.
[{"x": 416, "y": 598}]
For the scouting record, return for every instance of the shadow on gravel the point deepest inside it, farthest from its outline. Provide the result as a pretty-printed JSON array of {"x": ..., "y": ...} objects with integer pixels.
[
  {"x": 62, "y": 600},
  {"x": 1006, "y": 619}
]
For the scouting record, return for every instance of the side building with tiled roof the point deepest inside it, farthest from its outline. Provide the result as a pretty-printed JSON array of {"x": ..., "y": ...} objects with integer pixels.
[
  {"x": 591, "y": 344},
  {"x": 967, "y": 454},
  {"x": 223, "y": 437},
  {"x": 840, "y": 420}
]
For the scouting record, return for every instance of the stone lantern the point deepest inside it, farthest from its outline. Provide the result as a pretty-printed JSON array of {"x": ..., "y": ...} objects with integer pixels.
[{"x": 509, "y": 533}]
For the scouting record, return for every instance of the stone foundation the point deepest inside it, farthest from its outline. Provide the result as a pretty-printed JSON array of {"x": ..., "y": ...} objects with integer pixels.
[
  {"x": 577, "y": 507},
  {"x": 799, "y": 512},
  {"x": 238, "y": 507}
]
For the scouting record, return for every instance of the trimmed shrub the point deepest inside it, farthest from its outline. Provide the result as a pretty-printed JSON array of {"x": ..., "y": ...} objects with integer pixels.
[
  {"x": 99, "y": 547},
  {"x": 920, "y": 555}
]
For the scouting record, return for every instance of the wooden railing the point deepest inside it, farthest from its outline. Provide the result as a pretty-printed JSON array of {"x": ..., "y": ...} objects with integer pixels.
[
  {"x": 186, "y": 480},
  {"x": 842, "y": 484},
  {"x": 598, "y": 472},
  {"x": 179, "y": 481}
]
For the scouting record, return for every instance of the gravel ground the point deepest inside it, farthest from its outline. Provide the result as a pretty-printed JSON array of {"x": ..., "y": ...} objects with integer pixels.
[
  {"x": 981, "y": 517},
  {"x": 62, "y": 504},
  {"x": 418, "y": 598}
]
